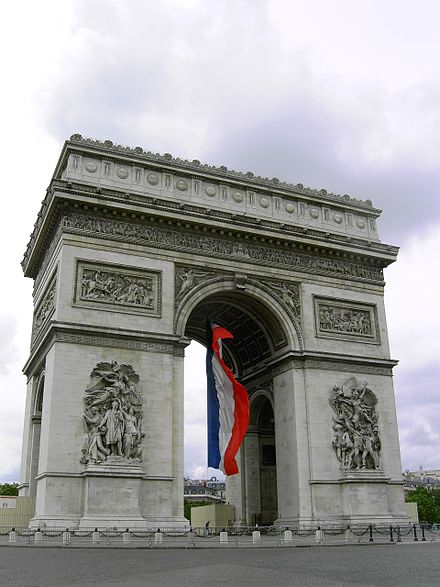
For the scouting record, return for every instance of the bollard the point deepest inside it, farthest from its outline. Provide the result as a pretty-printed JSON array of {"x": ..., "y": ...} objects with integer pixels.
[
  {"x": 158, "y": 537},
  {"x": 256, "y": 536},
  {"x": 391, "y": 534},
  {"x": 96, "y": 538},
  {"x": 415, "y": 533},
  {"x": 191, "y": 538},
  {"x": 370, "y": 529},
  {"x": 126, "y": 537},
  {"x": 288, "y": 536},
  {"x": 348, "y": 536},
  {"x": 38, "y": 536},
  {"x": 13, "y": 535},
  {"x": 423, "y": 534},
  {"x": 66, "y": 537},
  {"x": 223, "y": 537},
  {"x": 319, "y": 535}
]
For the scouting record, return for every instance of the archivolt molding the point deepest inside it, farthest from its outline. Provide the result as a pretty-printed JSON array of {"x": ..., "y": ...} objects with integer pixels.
[
  {"x": 256, "y": 395},
  {"x": 213, "y": 284},
  {"x": 263, "y": 389},
  {"x": 39, "y": 390}
]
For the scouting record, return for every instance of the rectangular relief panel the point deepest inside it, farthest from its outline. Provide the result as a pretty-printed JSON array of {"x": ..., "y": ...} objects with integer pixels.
[
  {"x": 346, "y": 320},
  {"x": 117, "y": 288},
  {"x": 45, "y": 307}
]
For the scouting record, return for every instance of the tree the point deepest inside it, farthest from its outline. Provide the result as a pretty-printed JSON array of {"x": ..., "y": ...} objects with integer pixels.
[
  {"x": 8, "y": 488},
  {"x": 428, "y": 503}
]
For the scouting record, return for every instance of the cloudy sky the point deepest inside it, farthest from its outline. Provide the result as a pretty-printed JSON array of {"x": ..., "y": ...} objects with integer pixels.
[{"x": 342, "y": 95}]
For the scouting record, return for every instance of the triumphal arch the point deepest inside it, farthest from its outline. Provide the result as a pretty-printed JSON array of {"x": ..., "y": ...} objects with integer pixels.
[{"x": 130, "y": 253}]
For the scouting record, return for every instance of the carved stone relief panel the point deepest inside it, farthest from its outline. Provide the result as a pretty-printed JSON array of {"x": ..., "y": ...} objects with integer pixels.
[
  {"x": 45, "y": 308},
  {"x": 347, "y": 320},
  {"x": 187, "y": 278},
  {"x": 118, "y": 288},
  {"x": 179, "y": 240},
  {"x": 112, "y": 416},
  {"x": 356, "y": 439},
  {"x": 288, "y": 292}
]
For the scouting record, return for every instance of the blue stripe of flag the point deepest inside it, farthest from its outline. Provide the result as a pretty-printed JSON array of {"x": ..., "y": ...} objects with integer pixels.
[{"x": 213, "y": 415}]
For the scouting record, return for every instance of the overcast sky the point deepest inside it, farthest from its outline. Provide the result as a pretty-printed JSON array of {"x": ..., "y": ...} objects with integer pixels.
[{"x": 342, "y": 95}]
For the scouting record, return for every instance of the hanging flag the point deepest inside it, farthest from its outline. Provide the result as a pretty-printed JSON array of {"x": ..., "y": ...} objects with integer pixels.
[{"x": 228, "y": 406}]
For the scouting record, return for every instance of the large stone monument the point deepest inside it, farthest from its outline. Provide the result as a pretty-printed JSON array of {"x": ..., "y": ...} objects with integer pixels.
[{"x": 130, "y": 252}]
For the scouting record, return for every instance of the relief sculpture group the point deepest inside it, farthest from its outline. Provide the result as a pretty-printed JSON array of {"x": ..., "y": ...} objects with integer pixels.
[
  {"x": 356, "y": 435},
  {"x": 112, "y": 415},
  {"x": 115, "y": 288}
]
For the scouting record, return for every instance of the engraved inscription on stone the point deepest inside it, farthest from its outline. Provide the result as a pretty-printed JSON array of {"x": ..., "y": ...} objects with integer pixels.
[
  {"x": 45, "y": 309},
  {"x": 121, "y": 288},
  {"x": 349, "y": 320},
  {"x": 112, "y": 415},
  {"x": 356, "y": 438}
]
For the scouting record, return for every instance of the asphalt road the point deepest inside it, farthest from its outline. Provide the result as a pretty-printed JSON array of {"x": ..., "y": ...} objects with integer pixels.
[{"x": 412, "y": 565}]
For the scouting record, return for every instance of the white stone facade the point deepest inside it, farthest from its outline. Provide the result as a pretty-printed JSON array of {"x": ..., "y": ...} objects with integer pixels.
[{"x": 130, "y": 253}]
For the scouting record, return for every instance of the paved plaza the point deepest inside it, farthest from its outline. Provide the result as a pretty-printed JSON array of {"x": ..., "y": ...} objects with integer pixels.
[{"x": 411, "y": 564}]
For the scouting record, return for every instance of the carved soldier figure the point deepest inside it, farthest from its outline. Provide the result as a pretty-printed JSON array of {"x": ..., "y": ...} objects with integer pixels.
[
  {"x": 131, "y": 433},
  {"x": 114, "y": 422},
  {"x": 96, "y": 452}
]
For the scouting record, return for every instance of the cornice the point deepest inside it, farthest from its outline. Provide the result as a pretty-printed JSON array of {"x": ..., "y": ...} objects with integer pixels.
[
  {"x": 104, "y": 200},
  {"x": 92, "y": 335},
  {"x": 195, "y": 166},
  {"x": 309, "y": 359}
]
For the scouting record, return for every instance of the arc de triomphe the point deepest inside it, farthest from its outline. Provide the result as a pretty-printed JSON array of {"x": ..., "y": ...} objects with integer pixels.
[{"x": 130, "y": 252}]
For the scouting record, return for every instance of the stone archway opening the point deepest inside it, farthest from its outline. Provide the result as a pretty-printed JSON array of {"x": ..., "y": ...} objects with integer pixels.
[
  {"x": 258, "y": 339},
  {"x": 36, "y": 432},
  {"x": 260, "y": 451}
]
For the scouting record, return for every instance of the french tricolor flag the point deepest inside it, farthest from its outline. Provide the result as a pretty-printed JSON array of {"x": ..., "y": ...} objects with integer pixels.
[{"x": 228, "y": 406}]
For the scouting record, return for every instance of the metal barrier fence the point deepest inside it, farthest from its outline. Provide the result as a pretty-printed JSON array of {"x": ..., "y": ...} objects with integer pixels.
[{"x": 243, "y": 536}]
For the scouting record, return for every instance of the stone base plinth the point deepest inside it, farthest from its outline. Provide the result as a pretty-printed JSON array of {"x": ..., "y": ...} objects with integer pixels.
[
  {"x": 108, "y": 522},
  {"x": 111, "y": 495},
  {"x": 363, "y": 476},
  {"x": 357, "y": 497},
  {"x": 51, "y": 521}
]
